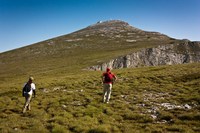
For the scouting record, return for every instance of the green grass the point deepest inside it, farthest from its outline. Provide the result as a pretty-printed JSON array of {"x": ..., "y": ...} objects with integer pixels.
[
  {"x": 69, "y": 97},
  {"x": 72, "y": 102}
]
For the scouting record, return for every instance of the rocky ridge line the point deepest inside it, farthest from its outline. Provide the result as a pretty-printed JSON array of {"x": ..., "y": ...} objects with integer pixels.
[{"x": 170, "y": 54}]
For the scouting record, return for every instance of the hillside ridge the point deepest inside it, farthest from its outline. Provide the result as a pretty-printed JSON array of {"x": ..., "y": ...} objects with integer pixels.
[{"x": 71, "y": 53}]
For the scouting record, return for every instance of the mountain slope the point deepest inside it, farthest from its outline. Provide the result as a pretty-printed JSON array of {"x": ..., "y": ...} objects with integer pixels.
[
  {"x": 78, "y": 50},
  {"x": 70, "y": 54}
]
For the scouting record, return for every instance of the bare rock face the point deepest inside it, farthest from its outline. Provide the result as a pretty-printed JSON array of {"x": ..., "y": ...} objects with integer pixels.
[{"x": 170, "y": 54}]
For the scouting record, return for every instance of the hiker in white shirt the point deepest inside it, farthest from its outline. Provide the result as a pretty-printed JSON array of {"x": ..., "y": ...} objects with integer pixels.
[{"x": 27, "y": 92}]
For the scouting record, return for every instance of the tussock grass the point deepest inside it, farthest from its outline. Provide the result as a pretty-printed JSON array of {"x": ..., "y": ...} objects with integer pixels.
[{"x": 149, "y": 99}]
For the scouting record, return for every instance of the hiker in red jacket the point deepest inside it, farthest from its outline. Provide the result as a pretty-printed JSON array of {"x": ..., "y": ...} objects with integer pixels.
[{"x": 107, "y": 78}]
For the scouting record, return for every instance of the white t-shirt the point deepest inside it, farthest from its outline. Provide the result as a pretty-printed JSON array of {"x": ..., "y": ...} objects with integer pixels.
[{"x": 32, "y": 88}]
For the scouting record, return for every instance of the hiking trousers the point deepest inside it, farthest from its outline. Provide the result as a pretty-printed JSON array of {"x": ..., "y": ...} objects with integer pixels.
[
  {"x": 107, "y": 92},
  {"x": 27, "y": 102}
]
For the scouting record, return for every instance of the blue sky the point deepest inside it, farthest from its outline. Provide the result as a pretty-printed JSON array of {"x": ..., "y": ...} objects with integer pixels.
[{"x": 25, "y": 22}]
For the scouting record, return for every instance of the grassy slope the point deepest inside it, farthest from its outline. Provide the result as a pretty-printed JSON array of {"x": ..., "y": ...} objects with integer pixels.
[
  {"x": 58, "y": 56},
  {"x": 72, "y": 102}
]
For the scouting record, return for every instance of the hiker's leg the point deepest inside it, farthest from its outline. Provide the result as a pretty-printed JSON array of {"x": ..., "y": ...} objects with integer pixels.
[
  {"x": 108, "y": 92},
  {"x": 105, "y": 86},
  {"x": 27, "y": 102},
  {"x": 29, "y": 107}
]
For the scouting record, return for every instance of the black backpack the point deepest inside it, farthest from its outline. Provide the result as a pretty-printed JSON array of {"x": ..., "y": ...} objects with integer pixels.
[{"x": 27, "y": 88}]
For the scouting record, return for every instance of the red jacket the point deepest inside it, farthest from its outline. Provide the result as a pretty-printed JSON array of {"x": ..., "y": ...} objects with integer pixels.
[{"x": 108, "y": 77}]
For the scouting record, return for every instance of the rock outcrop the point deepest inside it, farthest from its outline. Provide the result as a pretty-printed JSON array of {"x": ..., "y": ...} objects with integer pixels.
[{"x": 170, "y": 54}]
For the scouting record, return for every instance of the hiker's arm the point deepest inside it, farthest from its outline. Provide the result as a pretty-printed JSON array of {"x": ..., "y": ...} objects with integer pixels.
[
  {"x": 34, "y": 93},
  {"x": 115, "y": 77},
  {"x": 33, "y": 88}
]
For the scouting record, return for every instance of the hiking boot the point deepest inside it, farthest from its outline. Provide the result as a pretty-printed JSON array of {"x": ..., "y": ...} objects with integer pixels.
[{"x": 24, "y": 110}]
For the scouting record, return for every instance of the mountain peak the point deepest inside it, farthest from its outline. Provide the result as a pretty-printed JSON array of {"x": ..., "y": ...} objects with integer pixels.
[
  {"x": 109, "y": 26},
  {"x": 110, "y": 23}
]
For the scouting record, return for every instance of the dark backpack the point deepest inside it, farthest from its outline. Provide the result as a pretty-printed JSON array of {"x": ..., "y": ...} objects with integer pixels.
[
  {"x": 108, "y": 77},
  {"x": 27, "y": 88}
]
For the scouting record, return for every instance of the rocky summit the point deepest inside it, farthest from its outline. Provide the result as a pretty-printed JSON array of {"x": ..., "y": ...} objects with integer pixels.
[{"x": 115, "y": 29}]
